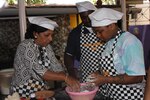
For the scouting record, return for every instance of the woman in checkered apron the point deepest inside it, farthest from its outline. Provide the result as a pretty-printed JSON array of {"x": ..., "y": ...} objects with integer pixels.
[
  {"x": 121, "y": 60},
  {"x": 35, "y": 62}
]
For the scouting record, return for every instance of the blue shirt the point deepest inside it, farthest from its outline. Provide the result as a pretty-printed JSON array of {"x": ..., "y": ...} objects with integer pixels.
[{"x": 128, "y": 55}]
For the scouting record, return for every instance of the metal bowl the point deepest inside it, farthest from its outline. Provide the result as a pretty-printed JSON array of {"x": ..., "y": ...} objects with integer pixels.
[{"x": 5, "y": 76}]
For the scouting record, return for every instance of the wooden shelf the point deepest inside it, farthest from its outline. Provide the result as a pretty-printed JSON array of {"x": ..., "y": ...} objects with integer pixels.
[{"x": 39, "y": 10}]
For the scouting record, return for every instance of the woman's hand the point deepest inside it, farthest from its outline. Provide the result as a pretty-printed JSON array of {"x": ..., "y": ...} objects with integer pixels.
[
  {"x": 96, "y": 78},
  {"x": 73, "y": 83},
  {"x": 43, "y": 94}
]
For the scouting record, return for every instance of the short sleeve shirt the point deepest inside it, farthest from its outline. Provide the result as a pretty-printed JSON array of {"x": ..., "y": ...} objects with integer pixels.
[
  {"x": 128, "y": 55},
  {"x": 73, "y": 43}
]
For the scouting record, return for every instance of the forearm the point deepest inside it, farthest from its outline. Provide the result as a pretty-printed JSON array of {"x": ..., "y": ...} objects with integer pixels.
[
  {"x": 123, "y": 79},
  {"x": 60, "y": 76},
  {"x": 69, "y": 63},
  {"x": 54, "y": 76}
]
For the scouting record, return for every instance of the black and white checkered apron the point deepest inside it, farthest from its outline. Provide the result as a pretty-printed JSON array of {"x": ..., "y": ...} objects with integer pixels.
[
  {"x": 90, "y": 50},
  {"x": 115, "y": 91},
  {"x": 34, "y": 85}
]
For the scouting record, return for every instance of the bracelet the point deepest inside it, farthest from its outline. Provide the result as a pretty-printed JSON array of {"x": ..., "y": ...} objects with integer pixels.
[{"x": 66, "y": 77}]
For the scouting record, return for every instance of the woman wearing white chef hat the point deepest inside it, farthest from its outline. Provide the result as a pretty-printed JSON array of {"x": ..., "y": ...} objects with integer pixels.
[
  {"x": 121, "y": 62},
  {"x": 35, "y": 62}
]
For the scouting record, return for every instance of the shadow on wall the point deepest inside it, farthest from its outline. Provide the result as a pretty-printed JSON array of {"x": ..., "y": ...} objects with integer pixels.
[{"x": 142, "y": 32}]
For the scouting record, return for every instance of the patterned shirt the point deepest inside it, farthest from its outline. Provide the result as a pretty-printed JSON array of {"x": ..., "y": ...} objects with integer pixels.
[{"x": 26, "y": 60}]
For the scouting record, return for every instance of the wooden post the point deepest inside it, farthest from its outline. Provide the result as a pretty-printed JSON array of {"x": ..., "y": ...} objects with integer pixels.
[
  {"x": 124, "y": 19},
  {"x": 22, "y": 18}
]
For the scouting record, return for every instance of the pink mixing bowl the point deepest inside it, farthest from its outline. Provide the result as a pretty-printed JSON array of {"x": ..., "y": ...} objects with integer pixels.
[{"x": 88, "y": 95}]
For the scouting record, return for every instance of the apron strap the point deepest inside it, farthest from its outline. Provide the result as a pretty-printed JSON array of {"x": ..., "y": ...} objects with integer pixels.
[{"x": 116, "y": 39}]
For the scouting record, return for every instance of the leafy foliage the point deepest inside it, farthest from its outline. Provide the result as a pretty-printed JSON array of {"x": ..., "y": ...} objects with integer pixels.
[
  {"x": 35, "y": 1},
  {"x": 12, "y": 2},
  {"x": 104, "y": 2}
]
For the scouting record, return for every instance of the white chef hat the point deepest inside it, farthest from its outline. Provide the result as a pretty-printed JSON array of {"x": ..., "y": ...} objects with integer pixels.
[
  {"x": 105, "y": 16},
  {"x": 85, "y": 6},
  {"x": 43, "y": 22}
]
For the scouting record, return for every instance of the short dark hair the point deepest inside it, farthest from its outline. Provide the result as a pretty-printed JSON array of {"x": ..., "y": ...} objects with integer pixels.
[{"x": 33, "y": 28}]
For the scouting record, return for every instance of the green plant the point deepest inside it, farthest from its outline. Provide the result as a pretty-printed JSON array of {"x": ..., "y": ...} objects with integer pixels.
[
  {"x": 94, "y": 1},
  {"x": 109, "y": 2},
  {"x": 35, "y": 1},
  {"x": 11, "y": 2}
]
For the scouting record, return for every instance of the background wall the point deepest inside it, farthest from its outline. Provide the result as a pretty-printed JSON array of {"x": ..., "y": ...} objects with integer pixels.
[
  {"x": 9, "y": 39},
  {"x": 143, "y": 33}
]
